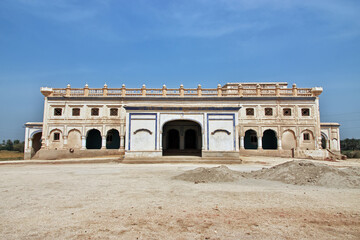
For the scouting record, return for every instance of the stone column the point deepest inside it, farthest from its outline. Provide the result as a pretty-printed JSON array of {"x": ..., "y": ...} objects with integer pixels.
[
  {"x": 160, "y": 141},
  {"x": 259, "y": 142},
  {"x": 122, "y": 135},
  {"x": 65, "y": 141},
  {"x": 103, "y": 142},
  {"x": 122, "y": 142},
  {"x": 298, "y": 141},
  {"x": 242, "y": 142},
  {"x": 30, "y": 143},
  {"x": 83, "y": 142},
  {"x": 122, "y": 127},
  {"x": 279, "y": 144},
  {"x": 182, "y": 138}
]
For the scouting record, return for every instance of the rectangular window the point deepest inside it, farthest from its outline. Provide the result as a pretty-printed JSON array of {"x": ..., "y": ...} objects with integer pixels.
[
  {"x": 57, "y": 111},
  {"x": 113, "y": 112},
  {"x": 249, "y": 112},
  {"x": 306, "y": 136},
  {"x": 56, "y": 136},
  {"x": 268, "y": 111},
  {"x": 94, "y": 112},
  {"x": 76, "y": 112},
  {"x": 305, "y": 112},
  {"x": 287, "y": 112}
]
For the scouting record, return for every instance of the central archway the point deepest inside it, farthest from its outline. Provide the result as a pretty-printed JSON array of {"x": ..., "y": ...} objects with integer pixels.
[{"x": 182, "y": 138}]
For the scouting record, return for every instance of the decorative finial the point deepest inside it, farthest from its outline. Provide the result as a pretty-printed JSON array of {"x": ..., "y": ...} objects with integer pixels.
[
  {"x": 181, "y": 85},
  {"x": 143, "y": 86},
  {"x": 86, "y": 85},
  {"x": 123, "y": 85},
  {"x": 199, "y": 85},
  {"x": 68, "y": 86},
  {"x": 105, "y": 85},
  {"x": 164, "y": 86}
]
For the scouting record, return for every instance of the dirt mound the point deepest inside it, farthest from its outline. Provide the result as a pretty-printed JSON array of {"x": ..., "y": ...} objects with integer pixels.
[
  {"x": 205, "y": 175},
  {"x": 310, "y": 173}
]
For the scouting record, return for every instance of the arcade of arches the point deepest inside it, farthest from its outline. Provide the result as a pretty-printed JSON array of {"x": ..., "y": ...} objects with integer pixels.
[
  {"x": 94, "y": 139},
  {"x": 268, "y": 141},
  {"x": 181, "y": 137}
]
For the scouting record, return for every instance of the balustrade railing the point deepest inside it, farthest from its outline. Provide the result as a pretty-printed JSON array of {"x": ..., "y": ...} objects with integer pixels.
[{"x": 233, "y": 91}]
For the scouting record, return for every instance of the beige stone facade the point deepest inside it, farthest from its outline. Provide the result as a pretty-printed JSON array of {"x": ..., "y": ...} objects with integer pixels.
[{"x": 225, "y": 122}]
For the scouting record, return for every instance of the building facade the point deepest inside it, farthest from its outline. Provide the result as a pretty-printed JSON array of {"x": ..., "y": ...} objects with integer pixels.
[{"x": 229, "y": 121}]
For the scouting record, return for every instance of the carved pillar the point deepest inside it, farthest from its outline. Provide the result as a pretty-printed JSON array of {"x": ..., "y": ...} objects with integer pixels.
[
  {"x": 83, "y": 142},
  {"x": 259, "y": 142},
  {"x": 294, "y": 90},
  {"x": 30, "y": 143},
  {"x": 277, "y": 90},
  {"x": 181, "y": 90},
  {"x": 164, "y": 90},
  {"x": 199, "y": 90},
  {"x": 258, "y": 90},
  {"x": 143, "y": 90},
  {"x": 122, "y": 142},
  {"x": 242, "y": 142},
  {"x": 68, "y": 90},
  {"x": 123, "y": 90},
  {"x": 86, "y": 90},
  {"x": 240, "y": 90},
  {"x": 103, "y": 142},
  {"x": 219, "y": 90},
  {"x": 182, "y": 138},
  {"x": 65, "y": 141},
  {"x": 279, "y": 143},
  {"x": 298, "y": 142},
  {"x": 105, "y": 90},
  {"x": 122, "y": 127}
]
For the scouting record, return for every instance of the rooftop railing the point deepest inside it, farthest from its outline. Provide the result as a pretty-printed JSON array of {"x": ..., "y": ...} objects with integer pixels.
[{"x": 233, "y": 91}]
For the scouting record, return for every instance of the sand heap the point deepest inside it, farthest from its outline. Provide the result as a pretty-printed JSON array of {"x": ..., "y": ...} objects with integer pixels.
[
  {"x": 310, "y": 173},
  {"x": 205, "y": 175}
]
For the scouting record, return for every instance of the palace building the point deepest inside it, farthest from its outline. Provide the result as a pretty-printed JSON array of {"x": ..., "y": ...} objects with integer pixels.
[{"x": 227, "y": 122}]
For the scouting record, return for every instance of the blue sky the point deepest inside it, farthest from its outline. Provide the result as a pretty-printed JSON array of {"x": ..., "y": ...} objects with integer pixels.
[{"x": 56, "y": 42}]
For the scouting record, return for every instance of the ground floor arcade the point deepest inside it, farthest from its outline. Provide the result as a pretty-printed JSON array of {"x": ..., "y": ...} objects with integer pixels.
[{"x": 184, "y": 136}]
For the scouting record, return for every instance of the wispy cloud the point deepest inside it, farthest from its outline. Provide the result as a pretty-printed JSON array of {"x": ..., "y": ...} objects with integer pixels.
[
  {"x": 217, "y": 18},
  {"x": 62, "y": 11},
  {"x": 196, "y": 18}
]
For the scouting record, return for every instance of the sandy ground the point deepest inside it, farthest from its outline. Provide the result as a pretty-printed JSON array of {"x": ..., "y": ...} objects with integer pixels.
[{"x": 126, "y": 201}]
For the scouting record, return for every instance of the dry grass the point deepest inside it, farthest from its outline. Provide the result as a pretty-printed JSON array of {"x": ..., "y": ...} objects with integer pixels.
[{"x": 11, "y": 155}]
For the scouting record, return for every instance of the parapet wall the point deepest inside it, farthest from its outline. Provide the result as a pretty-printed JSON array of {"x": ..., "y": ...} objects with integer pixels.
[{"x": 228, "y": 90}]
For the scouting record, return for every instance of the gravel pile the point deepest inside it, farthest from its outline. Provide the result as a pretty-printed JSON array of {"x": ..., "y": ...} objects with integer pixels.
[
  {"x": 310, "y": 173},
  {"x": 206, "y": 175}
]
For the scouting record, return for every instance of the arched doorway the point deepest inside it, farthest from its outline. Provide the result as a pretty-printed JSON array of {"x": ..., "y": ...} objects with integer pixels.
[
  {"x": 182, "y": 137},
  {"x": 36, "y": 143},
  {"x": 269, "y": 140},
  {"x": 323, "y": 141},
  {"x": 190, "y": 139},
  {"x": 93, "y": 139},
  {"x": 250, "y": 140},
  {"x": 173, "y": 140},
  {"x": 113, "y": 139}
]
